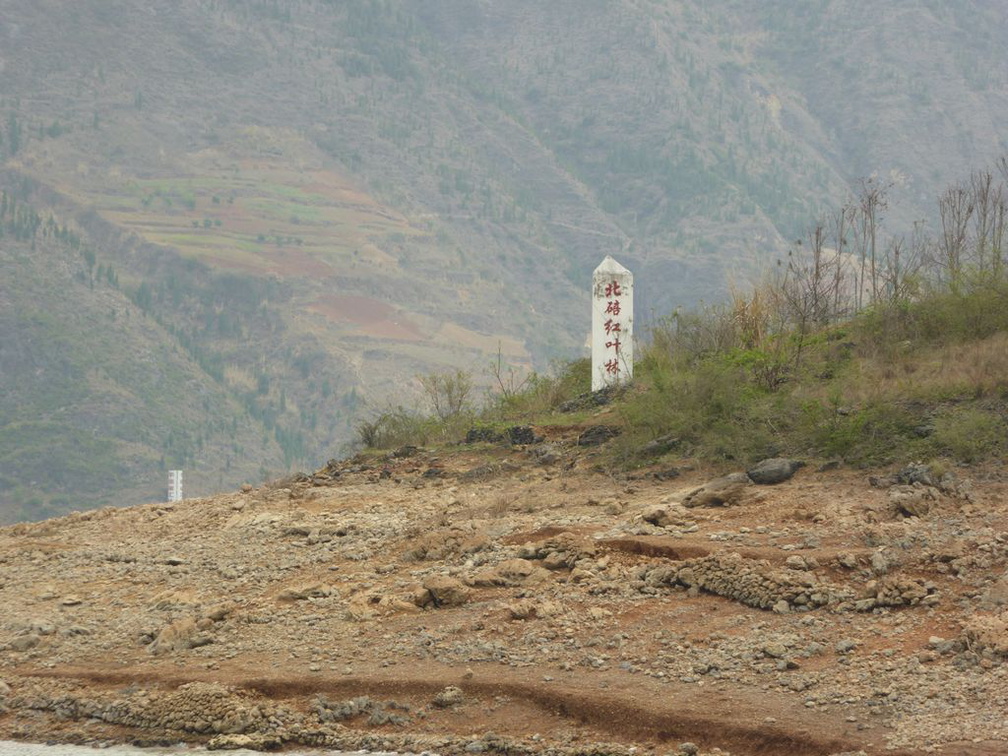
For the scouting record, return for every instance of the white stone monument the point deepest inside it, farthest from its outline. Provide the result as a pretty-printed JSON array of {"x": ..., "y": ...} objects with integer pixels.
[
  {"x": 612, "y": 324},
  {"x": 174, "y": 485}
]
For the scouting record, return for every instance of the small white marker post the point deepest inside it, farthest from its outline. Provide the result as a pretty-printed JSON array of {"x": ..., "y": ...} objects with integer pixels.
[
  {"x": 612, "y": 324},
  {"x": 174, "y": 485}
]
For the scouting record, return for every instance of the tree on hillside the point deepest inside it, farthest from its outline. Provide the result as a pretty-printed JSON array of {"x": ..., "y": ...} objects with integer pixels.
[{"x": 13, "y": 134}]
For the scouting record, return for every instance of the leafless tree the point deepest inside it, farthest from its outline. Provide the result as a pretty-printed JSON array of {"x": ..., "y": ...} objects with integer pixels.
[
  {"x": 988, "y": 218},
  {"x": 509, "y": 381},
  {"x": 840, "y": 224},
  {"x": 955, "y": 208},
  {"x": 449, "y": 393},
  {"x": 818, "y": 276},
  {"x": 872, "y": 200},
  {"x": 901, "y": 266}
]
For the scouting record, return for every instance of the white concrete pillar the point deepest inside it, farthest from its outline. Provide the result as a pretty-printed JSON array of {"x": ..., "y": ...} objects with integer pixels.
[
  {"x": 174, "y": 485},
  {"x": 612, "y": 324}
]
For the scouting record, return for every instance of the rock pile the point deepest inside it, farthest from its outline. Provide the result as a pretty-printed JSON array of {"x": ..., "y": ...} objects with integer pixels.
[
  {"x": 439, "y": 544},
  {"x": 987, "y": 635},
  {"x": 896, "y": 591},
  {"x": 510, "y": 572},
  {"x": 232, "y": 719},
  {"x": 441, "y": 591},
  {"x": 560, "y": 552},
  {"x": 198, "y": 707},
  {"x": 378, "y": 713},
  {"x": 753, "y": 583}
]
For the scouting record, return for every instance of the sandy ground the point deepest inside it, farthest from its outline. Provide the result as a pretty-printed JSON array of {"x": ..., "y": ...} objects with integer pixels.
[{"x": 515, "y": 599}]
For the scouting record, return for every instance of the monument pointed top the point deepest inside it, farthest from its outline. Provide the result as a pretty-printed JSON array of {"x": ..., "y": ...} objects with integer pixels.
[{"x": 609, "y": 265}]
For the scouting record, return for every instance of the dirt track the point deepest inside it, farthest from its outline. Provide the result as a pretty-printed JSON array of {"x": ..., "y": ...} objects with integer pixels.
[{"x": 484, "y": 601}]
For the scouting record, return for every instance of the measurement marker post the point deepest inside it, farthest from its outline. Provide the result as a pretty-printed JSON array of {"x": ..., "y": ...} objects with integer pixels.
[{"x": 174, "y": 485}]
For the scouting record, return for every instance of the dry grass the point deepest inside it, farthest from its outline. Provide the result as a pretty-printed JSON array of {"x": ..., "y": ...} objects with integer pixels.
[
  {"x": 503, "y": 504},
  {"x": 975, "y": 369}
]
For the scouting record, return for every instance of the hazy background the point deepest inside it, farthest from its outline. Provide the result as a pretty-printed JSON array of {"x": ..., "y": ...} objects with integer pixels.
[{"x": 232, "y": 229}]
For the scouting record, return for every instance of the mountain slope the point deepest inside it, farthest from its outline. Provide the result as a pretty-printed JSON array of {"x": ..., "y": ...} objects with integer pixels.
[
  {"x": 318, "y": 201},
  {"x": 98, "y": 397}
]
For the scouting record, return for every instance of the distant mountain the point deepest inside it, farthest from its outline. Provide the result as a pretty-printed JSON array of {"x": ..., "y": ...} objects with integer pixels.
[
  {"x": 99, "y": 400},
  {"x": 306, "y": 204}
]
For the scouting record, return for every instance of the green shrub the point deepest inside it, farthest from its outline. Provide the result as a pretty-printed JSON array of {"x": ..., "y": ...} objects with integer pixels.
[
  {"x": 542, "y": 394},
  {"x": 940, "y": 318},
  {"x": 970, "y": 434},
  {"x": 714, "y": 408},
  {"x": 450, "y": 394},
  {"x": 395, "y": 428}
]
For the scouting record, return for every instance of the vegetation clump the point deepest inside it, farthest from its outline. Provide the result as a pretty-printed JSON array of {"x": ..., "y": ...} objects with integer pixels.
[{"x": 861, "y": 347}]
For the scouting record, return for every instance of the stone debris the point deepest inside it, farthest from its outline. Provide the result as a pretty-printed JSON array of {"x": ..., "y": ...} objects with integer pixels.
[
  {"x": 253, "y": 742},
  {"x": 331, "y": 610},
  {"x": 440, "y": 591},
  {"x": 522, "y": 435},
  {"x": 914, "y": 500},
  {"x": 592, "y": 399},
  {"x": 597, "y": 435},
  {"x": 442, "y": 543},
  {"x": 179, "y": 636},
  {"x": 726, "y": 491},
  {"x": 511, "y": 572},
  {"x": 896, "y": 591},
  {"x": 305, "y": 592},
  {"x": 753, "y": 583},
  {"x": 987, "y": 635},
  {"x": 450, "y": 696},
  {"x": 483, "y": 435},
  {"x": 561, "y": 552},
  {"x": 23, "y": 642},
  {"x": 660, "y": 445},
  {"x": 665, "y": 515},
  {"x": 996, "y": 594}
]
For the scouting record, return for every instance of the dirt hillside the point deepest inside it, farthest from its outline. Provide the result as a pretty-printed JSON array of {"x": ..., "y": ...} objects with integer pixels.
[{"x": 513, "y": 599}]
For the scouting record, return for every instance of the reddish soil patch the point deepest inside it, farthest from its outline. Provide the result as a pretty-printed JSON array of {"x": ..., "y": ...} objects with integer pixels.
[
  {"x": 286, "y": 262},
  {"x": 623, "y": 710},
  {"x": 655, "y": 547},
  {"x": 289, "y": 262},
  {"x": 373, "y": 317}
]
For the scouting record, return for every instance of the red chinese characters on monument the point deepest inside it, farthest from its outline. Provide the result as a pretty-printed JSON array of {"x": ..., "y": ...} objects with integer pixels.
[
  {"x": 612, "y": 327},
  {"x": 611, "y": 339}
]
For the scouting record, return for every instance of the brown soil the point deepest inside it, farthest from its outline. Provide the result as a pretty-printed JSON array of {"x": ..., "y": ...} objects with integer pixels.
[
  {"x": 323, "y": 579},
  {"x": 374, "y": 318}
]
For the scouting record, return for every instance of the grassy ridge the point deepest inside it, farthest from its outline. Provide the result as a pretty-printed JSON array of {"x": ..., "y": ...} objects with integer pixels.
[
  {"x": 863, "y": 347},
  {"x": 862, "y": 393}
]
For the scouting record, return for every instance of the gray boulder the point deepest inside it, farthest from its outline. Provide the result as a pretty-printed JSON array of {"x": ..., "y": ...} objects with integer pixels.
[
  {"x": 657, "y": 514},
  {"x": 445, "y": 591},
  {"x": 997, "y": 594},
  {"x": 772, "y": 471},
  {"x": 24, "y": 642},
  {"x": 720, "y": 492},
  {"x": 178, "y": 636}
]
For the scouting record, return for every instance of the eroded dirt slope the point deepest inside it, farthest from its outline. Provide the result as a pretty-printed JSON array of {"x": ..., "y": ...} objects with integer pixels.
[{"x": 512, "y": 599}]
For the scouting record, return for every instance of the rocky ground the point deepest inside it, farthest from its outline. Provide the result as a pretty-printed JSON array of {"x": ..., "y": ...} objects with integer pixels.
[{"x": 516, "y": 599}]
